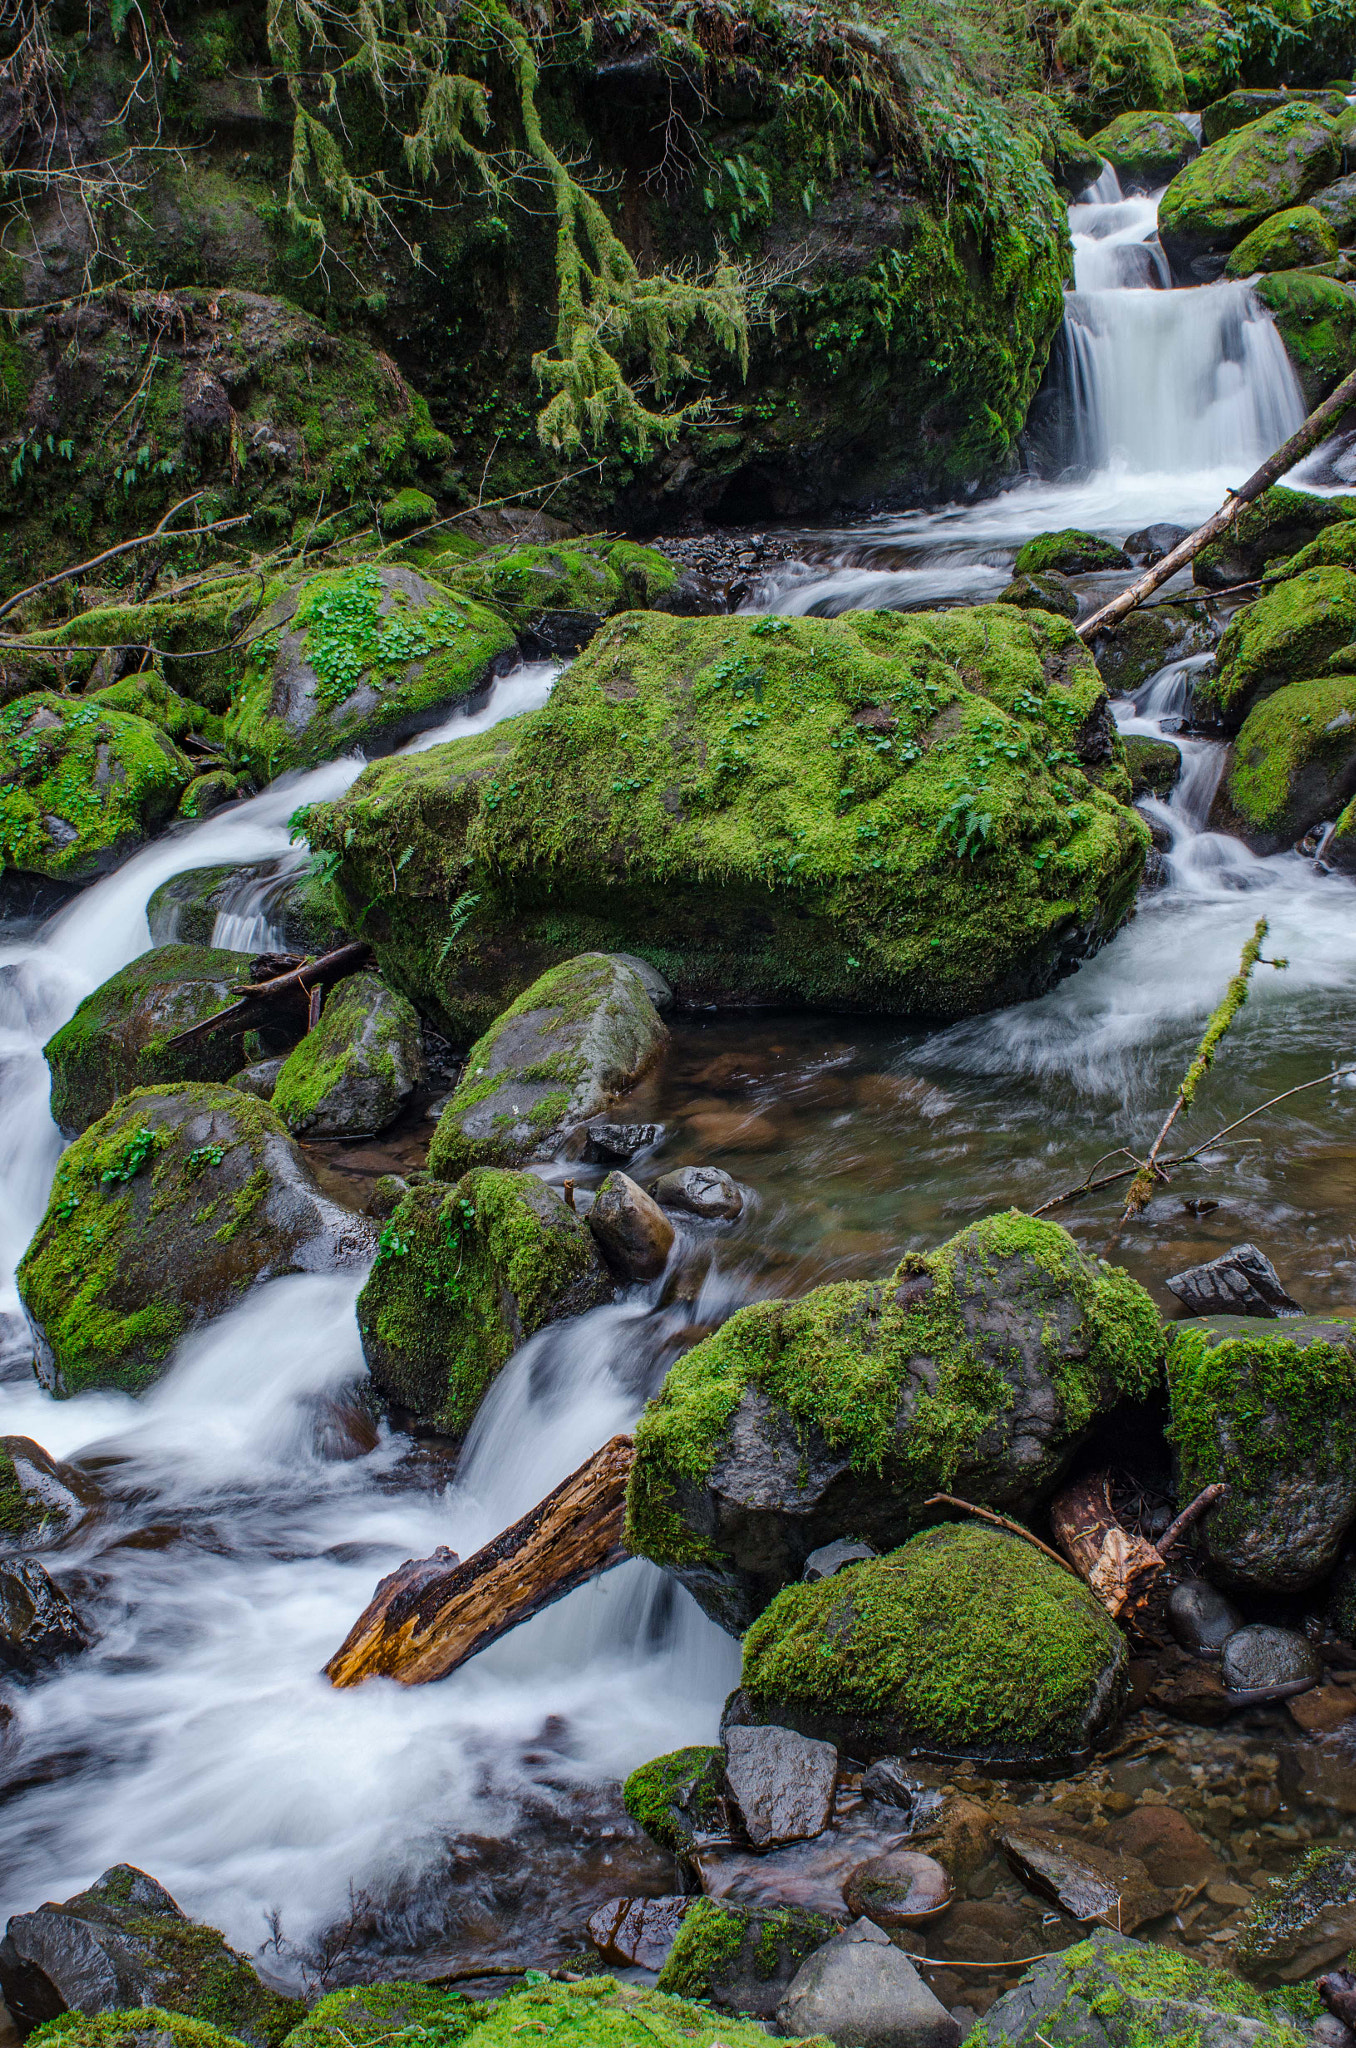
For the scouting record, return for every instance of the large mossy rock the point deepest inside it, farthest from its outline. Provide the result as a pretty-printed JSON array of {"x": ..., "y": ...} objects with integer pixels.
[
  {"x": 1146, "y": 641},
  {"x": 1070, "y": 552},
  {"x": 1293, "y": 765},
  {"x": 119, "y": 1036},
  {"x": 1337, "y": 204},
  {"x": 1286, "y": 241},
  {"x": 126, "y": 1943},
  {"x": 81, "y": 786},
  {"x": 676, "y": 1797},
  {"x": 1316, "y": 319},
  {"x": 741, "y": 1959},
  {"x": 965, "y": 1643},
  {"x": 1235, "y": 184},
  {"x": 355, "y": 1072},
  {"x": 1146, "y": 150},
  {"x": 1269, "y": 1408},
  {"x": 976, "y": 1369},
  {"x": 377, "y": 2015},
  {"x": 1119, "y": 1993},
  {"x": 601, "y": 2013},
  {"x": 582, "y": 1033},
  {"x": 161, "y": 1217},
  {"x": 1274, "y": 527},
  {"x": 462, "y": 1276},
  {"x": 360, "y": 657},
  {"x": 1288, "y": 633},
  {"x": 557, "y": 597},
  {"x": 873, "y": 812}
]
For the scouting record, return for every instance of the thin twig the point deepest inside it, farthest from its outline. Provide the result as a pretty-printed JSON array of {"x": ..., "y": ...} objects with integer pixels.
[
  {"x": 1000, "y": 1522},
  {"x": 1190, "y": 1513},
  {"x": 125, "y": 547}
]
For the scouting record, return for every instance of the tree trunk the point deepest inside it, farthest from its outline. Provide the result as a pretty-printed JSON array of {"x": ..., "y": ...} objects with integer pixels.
[
  {"x": 434, "y": 1613},
  {"x": 1306, "y": 437}
]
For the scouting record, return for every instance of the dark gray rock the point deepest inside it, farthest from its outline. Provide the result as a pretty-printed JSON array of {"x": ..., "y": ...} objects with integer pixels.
[
  {"x": 831, "y": 1558},
  {"x": 1151, "y": 543},
  {"x": 39, "y": 1498},
  {"x": 264, "y": 903},
  {"x": 630, "y": 1229},
  {"x": 638, "y": 1933},
  {"x": 1201, "y": 1618},
  {"x": 890, "y": 1781},
  {"x": 1241, "y": 1282},
  {"x": 1337, "y": 204},
  {"x": 903, "y": 1888},
  {"x": 704, "y": 1191},
  {"x": 859, "y": 1989},
  {"x": 1088, "y": 1881},
  {"x": 653, "y": 982},
  {"x": 16, "y": 1345},
  {"x": 738, "y": 1957},
  {"x": 1257, "y": 1657},
  {"x": 808, "y": 1876},
  {"x": 260, "y": 1078},
  {"x": 781, "y": 1782},
  {"x": 1121, "y": 1995},
  {"x": 37, "y": 1622},
  {"x": 607, "y": 1144},
  {"x": 126, "y": 1943},
  {"x": 354, "y": 1073}
]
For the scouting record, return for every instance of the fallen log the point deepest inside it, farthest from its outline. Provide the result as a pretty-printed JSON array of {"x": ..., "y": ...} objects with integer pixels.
[
  {"x": 1300, "y": 443},
  {"x": 256, "y": 996},
  {"x": 434, "y": 1613},
  {"x": 1119, "y": 1567}
]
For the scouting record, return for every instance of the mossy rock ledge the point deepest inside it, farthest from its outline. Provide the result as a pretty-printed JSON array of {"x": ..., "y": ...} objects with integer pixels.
[
  {"x": 1286, "y": 635},
  {"x": 119, "y": 1036},
  {"x": 1270, "y": 1408},
  {"x": 1127, "y": 1994},
  {"x": 161, "y": 1216},
  {"x": 873, "y": 812},
  {"x": 975, "y": 1369},
  {"x": 463, "y": 1275},
  {"x": 557, "y": 597},
  {"x": 125, "y": 1943},
  {"x": 967, "y": 1643},
  {"x": 1234, "y": 185},
  {"x": 601, "y": 2013},
  {"x": 1293, "y": 765},
  {"x": 360, "y": 657},
  {"x": 81, "y": 786},
  {"x": 354, "y": 1073},
  {"x": 580, "y": 1035}
]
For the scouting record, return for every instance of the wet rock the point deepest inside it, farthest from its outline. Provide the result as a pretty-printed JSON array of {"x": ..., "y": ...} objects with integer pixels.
[
  {"x": 260, "y": 1078},
  {"x": 297, "y": 906},
  {"x": 831, "y": 1558},
  {"x": 613, "y": 1144},
  {"x": 16, "y": 1345},
  {"x": 1172, "y": 1851},
  {"x": 1231, "y": 188},
  {"x": 354, "y": 1073},
  {"x": 705, "y": 1191},
  {"x": 890, "y": 1782},
  {"x": 126, "y": 1943},
  {"x": 1089, "y": 1882},
  {"x": 1267, "y": 1409},
  {"x": 1190, "y": 1692},
  {"x": 1260, "y": 1656},
  {"x": 463, "y": 1275},
  {"x": 161, "y": 1217},
  {"x": 631, "y": 1230},
  {"x": 739, "y": 1958},
  {"x": 1241, "y": 1282},
  {"x": 781, "y": 1782},
  {"x": 1069, "y": 553},
  {"x": 962, "y": 1835},
  {"x": 84, "y": 785},
  {"x": 38, "y": 1496},
  {"x": 638, "y": 1932},
  {"x": 1270, "y": 529},
  {"x": 915, "y": 1651},
  {"x": 1047, "y": 591},
  {"x": 1304, "y": 1920},
  {"x": 858, "y": 1988},
  {"x": 676, "y": 1798},
  {"x": 808, "y": 1876},
  {"x": 1326, "y": 1708},
  {"x": 388, "y": 1192},
  {"x": 1201, "y": 1618},
  {"x": 38, "y": 1624},
  {"x": 1147, "y": 641},
  {"x": 1149, "y": 544},
  {"x": 117, "y": 1038},
  {"x": 903, "y": 1889},
  {"x": 1155, "y": 766},
  {"x": 581, "y": 1034},
  {"x": 1009, "y": 1305}
]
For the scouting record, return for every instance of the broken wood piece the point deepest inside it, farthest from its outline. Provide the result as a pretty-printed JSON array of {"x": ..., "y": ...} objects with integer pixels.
[
  {"x": 1118, "y": 1567},
  {"x": 317, "y": 997},
  {"x": 255, "y": 996},
  {"x": 434, "y": 1613}
]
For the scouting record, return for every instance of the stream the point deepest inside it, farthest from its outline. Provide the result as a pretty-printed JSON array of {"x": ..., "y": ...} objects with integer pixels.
[{"x": 249, "y": 1502}]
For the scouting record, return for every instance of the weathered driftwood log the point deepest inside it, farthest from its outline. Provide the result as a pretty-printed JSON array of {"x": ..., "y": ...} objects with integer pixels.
[
  {"x": 434, "y": 1613},
  {"x": 256, "y": 996},
  {"x": 1120, "y": 1568},
  {"x": 1301, "y": 441}
]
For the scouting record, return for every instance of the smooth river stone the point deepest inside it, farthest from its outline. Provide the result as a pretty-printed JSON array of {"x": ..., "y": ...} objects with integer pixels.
[
  {"x": 1260, "y": 1656},
  {"x": 1093, "y": 1884},
  {"x": 1201, "y": 1619},
  {"x": 705, "y": 1191},
  {"x": 809, "y": 1875},
  {"x": 781, "y": 1782},
  {"x": 903, "y": 1889}
]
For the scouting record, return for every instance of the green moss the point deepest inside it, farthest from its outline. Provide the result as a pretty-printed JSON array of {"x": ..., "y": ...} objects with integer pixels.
[
  {"x": 1280, "y": 1920},
  {"x": 646, "y": 576},
  {"x": 202, "y": 1978},
  {"x": 406, "y": 510},
  {"x": 352, "y": 1073},
  {"x": 719, "y": 1943},
  {"x": 1334, "y": 547},
  {"x": 136, "y": 2028},
  {"x": 1287, "y": 634},
  {"x": 1145, "y": 149},
  {"x": 378, "y": 2015},
  {"x": 462, "y": 1276},
  {"x": 964, "y": 1639},
  {"x": 21, "y": 1516},
  {"x": 1316, "y": 317},
  {"x": 1128, "y": 60},
  {"x": 1155, "y": 766},
  {"x": 1268, "y": 530},
  {"x": 1069, "y": 552},
  {"x": 1286, "y": 241},
  {"x": 81, "y": 786},
  {"x": 672, "y": 1796},
  {"x": 1235, "y": 184},
  {"x": 600, "y": 2013},
  {"x": 1294, "y": 762}
]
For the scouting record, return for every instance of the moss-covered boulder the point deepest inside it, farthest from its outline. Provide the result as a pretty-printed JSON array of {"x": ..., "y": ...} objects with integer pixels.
[
  {"x": 1046, "y": 592},
  {"x": 1119, "y": 60},
  {"x": 873, "y": 812},
  {"x": 360, "y": 657},
  {"x": 1333, "y": 548},
  {"x": 147, "y": 2026},
  {"x": 1238, "y": 109},
  {"x": 1293, "y": 765},
  {"x": 1146, "y": 641},
  {"x": 1069, "y": 553},
  {"x": 119, "y": 1036},
  {"x": 1305, "y": 1920},
  {"x": 126, "y": 1943},
  {"x": 677, "y": 1797},
  {"x": 1316, "y": 319},
  {"x": 966, "y": 1642},
  {"x": 740, "y": 1958},
  {"x": 601, "y": 2013},
  {"x": 161, "y": 1217},
  {"x": 1287, "y": 241},
  {"x": 1270, "y": 1408},
  {"x": 377, "y": 2015},
  {"x": 1288, "y": 633},
  {"x": 1274, "y": 527},
  {"x": 1337, "y": 204},
  {"x": 296, "y": 904},
  {"x": 463, "y": 1275},
  {"x": 1127, "y": 1994},
  {"x": 582, "y": 1033},
  {"x": 1146, "y": 150},
  {"x": 976, "y": 1369},
  {"x": 81, "y": 786},
  {"x": 355, "y": 1072},
  {"x": 1239, "y": 181},
  {"x": 1155, "y": 766},
  {"x": 557, "y": 597}
]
